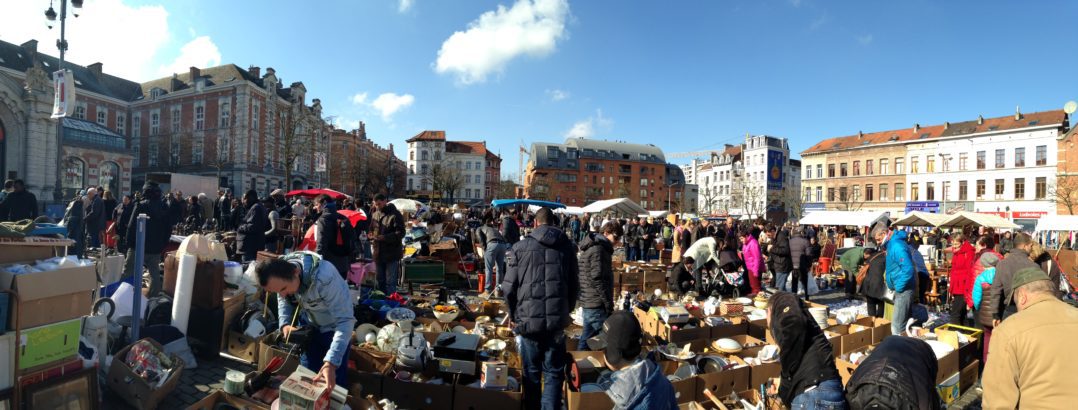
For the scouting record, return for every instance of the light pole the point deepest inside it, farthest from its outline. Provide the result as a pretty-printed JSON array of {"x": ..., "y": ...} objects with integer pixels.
[{"x": 61, "y": 44}]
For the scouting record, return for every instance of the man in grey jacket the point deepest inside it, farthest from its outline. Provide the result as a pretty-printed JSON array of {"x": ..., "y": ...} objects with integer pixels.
[{"x": 800, "y": 261}]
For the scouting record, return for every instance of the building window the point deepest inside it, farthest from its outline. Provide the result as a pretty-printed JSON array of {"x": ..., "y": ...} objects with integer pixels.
[
  {"x": 819, "y": 194},
  {"x": 1041, "y": 188},
  {"x": 930, "y": 191},
  {"x": 883, "y": 166},
  {"x": 808, "y": 172},
  {"x": 999, "y": 189},
  {"x": 1019, "y": 188},
  {"x": 963, "y": 194},
  {"x": 424, "y": 156},
  {"x": 930, "y": 164},
  {"x": 151, "y": 159},
  {"x": 136, "y": 150},
  {"x": 830, "y": 194},
  {"x": 411, "y": 155},
  {"x": 155, "y": 123},
  {"x": 196, "y": 150},
  {"x": 1001, "y": 154},
  {"x": 808, "y": 194},
  {"x": 856, "y": 168},
  {"x": 121, "y": 124},
  {"x": 80, "y": 112},
  {"x": 900, "y": 192},
  {"x": 980, "y": 189},
  {"x": 868, "y": 167},
  {"x": 136, "y": 126},
  {"x": 963, "y": 158},
  {"x": 74, "y": 175},
  {"x": 883, "y": 192},
  {"x": 175, "y": 118},
  {"x": 1042, "y": 155},
  {"x": 1019, "y": 157},
  {"x": 102, "y": 116},
  {"x": 980, "y": 160},
  {"x": 830, "y": 170},
  {"x": 868, "y": 193},
  {"x": 819, "y": 170},
  {"x": 225, "y": 114},
  {"x": 946, "y": 190},
  {"x": 200, "y": 117},
  {"x": 855, "y": 195},
  {"x": 900, "y": 166},
  {"x": 915, "y": 166},
  {"x": 842, "y": 169},
  {"x": 915, "y": 192},
  {"x": 945, "y": 160}
]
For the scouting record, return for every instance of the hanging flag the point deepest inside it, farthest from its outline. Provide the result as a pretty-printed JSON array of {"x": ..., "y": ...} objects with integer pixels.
[{"x": 63, "y": 103}]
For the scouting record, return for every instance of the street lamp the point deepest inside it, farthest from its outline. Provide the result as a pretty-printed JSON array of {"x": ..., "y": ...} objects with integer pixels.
[{"x": 50, "y": 16}]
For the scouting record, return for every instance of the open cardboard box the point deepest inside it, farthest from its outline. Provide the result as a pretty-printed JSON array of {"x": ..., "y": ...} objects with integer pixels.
[
  {"x": 52, "y": 296},
  {"x": 845, "y": 367},
  {"x": 853, "y": 336},
  {"x": 575, "y": 400},
  {"x": 969, "y": 376},
  {"x": 758, "y": 328},
  {"x": 413, "y": 395},
  {"x": 267, "y": 352},
  {"x": 135, "y": 390},
  {"x": 761, "y": 373},
  {"x": 684, "y": 389},
  {"x": 369, "y": 368},
  {"x": 211, "y": 401},
  {"x": 881, "y": 328},
  {"x": 967, "y": 353},
  {"x": 722, "y": 383},
  {"x": 466, "y": 397},
  {"x": 737, "y": 326}
]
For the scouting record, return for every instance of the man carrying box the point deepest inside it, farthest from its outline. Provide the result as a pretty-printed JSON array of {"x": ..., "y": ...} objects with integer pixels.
[{"x": 301, "y": 278}]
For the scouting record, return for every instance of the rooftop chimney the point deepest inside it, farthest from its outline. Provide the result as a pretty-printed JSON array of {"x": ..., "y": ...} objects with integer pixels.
[
  {"x": 172, "y": 86},
  {"x": 860, "y": 134},
  {"x": 95, "y": 68},
  {"x": 254, "y": 71},
  {"x": 980, "y": 120},
  {"x": 1017, "y": 113},
  {"x": 30, "y": 46},
  {"x": 946, "y": 125},
  {"x": 916, "y": 127},
  {"x": 195, "y": 73}
]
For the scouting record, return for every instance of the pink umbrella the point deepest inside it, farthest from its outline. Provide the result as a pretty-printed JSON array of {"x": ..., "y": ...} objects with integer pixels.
[{"x": 353, "y": 216}]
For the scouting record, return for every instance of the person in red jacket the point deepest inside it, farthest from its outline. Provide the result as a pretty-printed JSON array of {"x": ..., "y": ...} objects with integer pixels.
[{"x": 961, "y": 277}]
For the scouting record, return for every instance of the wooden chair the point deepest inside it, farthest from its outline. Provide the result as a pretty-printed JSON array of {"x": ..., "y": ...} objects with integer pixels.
[{"x": 933, "y": 298}]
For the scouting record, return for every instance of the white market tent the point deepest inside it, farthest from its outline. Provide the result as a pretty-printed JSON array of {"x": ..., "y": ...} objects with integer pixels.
[
  {"x": 1065, "y": 223},
  {"x": 653, "y": 214},
  {"x": 966, "y": 218},
  {"x": 918, "y": 218},
  {"x": 844, "y": 218},
  {"x": 569, "y": 210},
  {"x": 620, "y": 206}
]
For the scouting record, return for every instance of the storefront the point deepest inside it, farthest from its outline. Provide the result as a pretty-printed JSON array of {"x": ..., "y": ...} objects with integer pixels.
[
  {"x": 932, "y": 207},
  {"x": 1027, "y": 219}
]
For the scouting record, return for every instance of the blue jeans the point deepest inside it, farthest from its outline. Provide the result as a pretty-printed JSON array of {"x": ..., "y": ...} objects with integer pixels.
[
  {"x": 593, "y": 324},
  {"x": 315, "y": 355},
  {"x": 903, "y": 302},
  {"x": 780, "y": 281},
  {"x": 633, "y": 253},
  {"x": 546, "y": 354},
  {"x": 827, "y": 395},
  {"x": 387, "y": 273},
  {"x": 494, "y": 256}
]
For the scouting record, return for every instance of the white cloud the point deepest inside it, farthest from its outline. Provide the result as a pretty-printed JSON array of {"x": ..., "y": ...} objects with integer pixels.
[
  {"x": 388, "y": 104},
  {"x": 865, "y": 39},
  {"x": 557, "y": 95},
  {"x": 347, "y": 124},
  {"x": 200, "y": 52},
  {"x": 529, "y": 27},
  {"x": 93, "y": 36},
  {"x": 404, "y": 5},
  {"x": 587, "y": 128},
  {"x": 359, "y": 98}
]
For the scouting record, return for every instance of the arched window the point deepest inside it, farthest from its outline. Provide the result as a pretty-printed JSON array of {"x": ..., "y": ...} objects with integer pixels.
[
  {"x": 109, "y": 177},
  {"x": 74, "y": 176}
]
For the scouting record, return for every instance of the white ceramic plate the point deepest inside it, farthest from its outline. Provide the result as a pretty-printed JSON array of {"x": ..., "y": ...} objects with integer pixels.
[{"x": 743, "y": 301}]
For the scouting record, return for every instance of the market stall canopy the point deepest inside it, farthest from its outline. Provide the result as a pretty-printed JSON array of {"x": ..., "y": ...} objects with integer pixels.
[
  {"x": 353, "y": 216},
  {"x": 498, "y": 203},
  {"x": 407, "y": 205},
  {"x": 966, "y": 218},
  {"x": 654, "y": 214},
  {"x": 311, "y": 193},
  {"x": 570, "y": 210},
  {"x": 844, "y": 218},
  {"x": 1065, "y": 223},
  {"x": 621, "y": 206},
  {"x": 919, "y": 218}
]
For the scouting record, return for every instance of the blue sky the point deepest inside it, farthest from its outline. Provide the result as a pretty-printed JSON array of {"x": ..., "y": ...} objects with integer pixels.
[{"x": 684, "y": 75}]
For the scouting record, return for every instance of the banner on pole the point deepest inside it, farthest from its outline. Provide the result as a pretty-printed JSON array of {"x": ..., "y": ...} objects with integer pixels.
[{"x": 63, "y": 103}]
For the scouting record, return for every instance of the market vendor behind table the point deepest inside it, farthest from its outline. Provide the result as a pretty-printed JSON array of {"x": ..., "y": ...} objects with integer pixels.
[{"x": 323, "y": 300}]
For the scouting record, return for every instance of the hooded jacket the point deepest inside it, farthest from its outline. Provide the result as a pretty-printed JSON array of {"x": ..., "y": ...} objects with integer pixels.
[
  {"x": 754, "y": 262},
  {"x": 804, "y": 352},
  {"x": 541, "y": 282},
  {"x": 596, "y": 273},
  {"x": 780, "y": 253},
  {"x": 962, "y": 270},
  {"x": 642, "y": 386},
  {"x": 251, "y": 234},
  {"x": 900, "y": 270},
  {"x": 899, "y": 374},
  {"x": 389, "y": 223},
  {"x": 324, "y": 297}
]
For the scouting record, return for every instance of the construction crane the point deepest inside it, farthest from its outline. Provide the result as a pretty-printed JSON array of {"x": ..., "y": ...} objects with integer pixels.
[{"x": 520, "y": 169}]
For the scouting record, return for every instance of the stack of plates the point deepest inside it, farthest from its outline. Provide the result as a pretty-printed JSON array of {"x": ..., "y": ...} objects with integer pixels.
[{"x": 820, "y": 315}]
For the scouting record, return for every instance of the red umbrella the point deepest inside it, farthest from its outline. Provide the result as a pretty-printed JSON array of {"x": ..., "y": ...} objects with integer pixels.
[
  {"x": 311, "y": 193},
  {"x": 353, "y": 216}
]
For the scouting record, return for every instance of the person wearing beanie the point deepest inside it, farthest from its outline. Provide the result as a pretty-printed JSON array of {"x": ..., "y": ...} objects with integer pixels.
[
  {"x": 1032, "y": 361},
  {"x": 637, "y": 383}
]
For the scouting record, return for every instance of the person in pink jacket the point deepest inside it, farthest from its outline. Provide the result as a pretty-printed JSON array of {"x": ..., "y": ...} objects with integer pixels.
[{"x": 754, "y": 261}]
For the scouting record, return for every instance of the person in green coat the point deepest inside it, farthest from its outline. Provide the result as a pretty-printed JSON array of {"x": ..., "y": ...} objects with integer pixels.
[{"x": 850, "y": 261}]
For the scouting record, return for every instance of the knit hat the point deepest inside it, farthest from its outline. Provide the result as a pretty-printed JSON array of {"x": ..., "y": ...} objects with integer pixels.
[
  {"x": 1027, "y": 275},
  {"x": 989, "y": 260}
]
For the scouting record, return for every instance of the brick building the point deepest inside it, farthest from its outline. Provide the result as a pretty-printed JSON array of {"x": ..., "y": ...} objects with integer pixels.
[
  {"x": 361, "y": 168},
  {"x": 582, "y": 171}
]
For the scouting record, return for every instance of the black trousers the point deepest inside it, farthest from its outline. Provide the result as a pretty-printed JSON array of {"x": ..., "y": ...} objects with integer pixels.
[
  {"x": 874, "y": 306},
  {"x": 802, "y": 277},
  {"x": 958, "y": 309},
  {"x": 851, "y": 283}
]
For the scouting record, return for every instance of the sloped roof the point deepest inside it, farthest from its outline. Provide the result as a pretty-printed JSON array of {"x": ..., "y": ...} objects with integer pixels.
[
  {"x": 466, "y": 147},
  {"x": 939, "y": 131},
  {"x": 428, "y": 136},
  {"x": 20, "y": 59},
  {"x": 214, "y": 75}
]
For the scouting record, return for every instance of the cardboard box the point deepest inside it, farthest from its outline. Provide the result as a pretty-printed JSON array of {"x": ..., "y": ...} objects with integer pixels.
[
  {"x": 845, "y": 367},
  {"x": 948, "y": 389},
  {"x": 48, "y": 344},
  {"x": 758, "y": 374},
  {"x": 684, "y": 389},
  {"x": 575, "y": 400},
  {"x": 948, "y": 365},
  {"x": 466, "y": 397},
  {"x": 242, "y": 347},
  {"x": 967, "y": 353},
  {"x": 267, "y": 352},
  {"x": 49, "y": 297},
  {"x": 739, "y": 327},
  {"x": 857, "y": 336},
  {"x": 682, "y": 334},
  {"x": 648, "y": 323},
  {"x": 12, "y": 251},
  {"x": 209, "y": 285},
  {"x": 416, "y": 396},
  {"x": 370, "y": 369},
  {"x": 210, "y": 402},
  {"x": 134, "y": 389},
  {"x": 300, "y": 392},
  {"x": 722, "y": 383},
  {"x": 234, "y": 303},
  {"x": 968, "y": 376},
  {"x": 758, "y": 328},
  {"x": 881, "y": 328}
]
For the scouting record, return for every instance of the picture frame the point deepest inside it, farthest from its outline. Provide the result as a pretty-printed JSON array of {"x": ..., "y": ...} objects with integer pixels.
[{"x": 74, "y": 390}]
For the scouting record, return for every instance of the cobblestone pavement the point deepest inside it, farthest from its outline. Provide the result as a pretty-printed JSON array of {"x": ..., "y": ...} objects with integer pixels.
[{"x": 194, "y": 384}]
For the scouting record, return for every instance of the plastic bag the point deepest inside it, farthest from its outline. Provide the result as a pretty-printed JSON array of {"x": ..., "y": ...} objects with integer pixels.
[{"x": 813, "y": 287}]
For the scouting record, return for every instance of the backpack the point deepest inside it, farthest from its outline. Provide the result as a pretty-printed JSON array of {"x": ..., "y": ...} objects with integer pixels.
[
  {"x": 862, "y": 272},
  {"x": 158, "y": 311},
  {"x": 345, "y": 238}
]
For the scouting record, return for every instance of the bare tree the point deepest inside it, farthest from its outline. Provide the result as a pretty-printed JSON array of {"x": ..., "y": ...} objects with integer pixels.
[
  {"x": 1065, "y": 192},
  {"x": 850, "y": 199},
  {"x": 709, "y": 197},
  {"x": 793, "y": 202},
  {"x": 296, "y": 141},
  {"x": 445, "y": 178},
  {"x": 752, "y": 200},
  {"x": 507, "y": 188}
]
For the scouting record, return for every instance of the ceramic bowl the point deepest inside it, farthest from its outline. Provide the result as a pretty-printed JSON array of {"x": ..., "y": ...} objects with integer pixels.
[
  {"x": 495, "y": 345},
  {"x": 744, "y": 301},
  {"x": 727, "y": 345},
  {"x": 446, "y": 317},
  {"x": 400, "y": 315}
]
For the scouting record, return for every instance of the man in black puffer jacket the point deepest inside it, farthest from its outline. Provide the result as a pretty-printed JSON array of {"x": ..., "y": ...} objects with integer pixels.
[
  {"x": 900, "y": 374},
  {"x": 541, "y": 287},
  {"x": 597, "y": 280},
  {"x": 779, "y": 256},
  {"x": 157, "y": 233}
]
